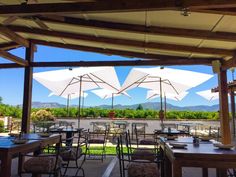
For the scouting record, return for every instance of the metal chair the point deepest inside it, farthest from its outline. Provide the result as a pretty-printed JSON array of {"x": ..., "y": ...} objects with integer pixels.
[
  {"x": 145, "y": 138},
  {"x": 136, "y": 162},
  {"x": 42, "y": 163},
  {"x": 96, "y": 141},
  {"x": 138, "y": 128},
  {"x": 73, "y": 153}
]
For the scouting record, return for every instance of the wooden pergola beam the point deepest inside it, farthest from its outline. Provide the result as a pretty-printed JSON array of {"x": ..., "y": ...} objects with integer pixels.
[
  {"x": 13, "y": 36},
  {"x": 224, "y": 107},
  {"x": 142, "y": 29},
  {"x": 120, "y": 63},
  {"x": 9, "y": 46},
  {"x": 27, "y": 93},
  {"x": 126, "y": 42},
  {"x": 10, "y": 65},
  {"x": 13, "y": 58},
  {"x": 111, "y": 6},
  {"x": 229, "y": 63},
  {"x": 127, "y": 53}
]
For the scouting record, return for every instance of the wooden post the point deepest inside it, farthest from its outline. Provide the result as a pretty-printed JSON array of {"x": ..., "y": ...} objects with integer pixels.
[
  {"x": 27, "y": 97},
  {"x": 224, "y": 107},
  {"x": 232, "y": 101}
]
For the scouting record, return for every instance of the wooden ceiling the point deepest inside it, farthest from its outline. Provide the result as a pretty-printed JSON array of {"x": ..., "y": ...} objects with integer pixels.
[{"x": 150, "y": 32}]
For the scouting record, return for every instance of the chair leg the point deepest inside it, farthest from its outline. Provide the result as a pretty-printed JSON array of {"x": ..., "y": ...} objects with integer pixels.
[{"x": 67, "y": 165}]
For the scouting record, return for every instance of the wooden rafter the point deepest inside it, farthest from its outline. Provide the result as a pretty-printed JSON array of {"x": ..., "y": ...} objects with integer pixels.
[
  {"x": 9, "y": 46},
  {"x": 141, "y": 29},
  {"x": 10, "y": 65},
  {"x": 13, "y": 36},
  {"x": 124, "y": 42},
  {"x": 122, "y": 63},
  {"x": 126, "y": 53},
  {"x": 13, "y": 58},
  {"x": 111, "y": 6},
  {"x": 229, "y": 63}
]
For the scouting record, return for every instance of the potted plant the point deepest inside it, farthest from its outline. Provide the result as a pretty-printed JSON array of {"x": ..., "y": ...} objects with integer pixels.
[
  {"x": 161, "y": 115},
  {"x": 111, "y": 114}
]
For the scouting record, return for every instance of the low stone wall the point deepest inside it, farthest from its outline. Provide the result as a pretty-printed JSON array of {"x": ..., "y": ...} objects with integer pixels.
[{"x": 152, "y": 124}]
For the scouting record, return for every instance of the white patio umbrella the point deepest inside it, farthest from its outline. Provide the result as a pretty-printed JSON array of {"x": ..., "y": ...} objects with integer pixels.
[
  {"x": 105, "y": 94},
  {"x": 66, "y": 81},
  {"x": 207, "y": 94},
  {"x": 168, "y": 80}
]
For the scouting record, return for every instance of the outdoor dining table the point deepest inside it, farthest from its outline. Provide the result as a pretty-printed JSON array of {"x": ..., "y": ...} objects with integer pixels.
[
  {"x": 171, "y": 132},
  {"x": 68, "y": 131},
  {"x": 9, "y": 150},
  {"x": 203, "y": 155}
]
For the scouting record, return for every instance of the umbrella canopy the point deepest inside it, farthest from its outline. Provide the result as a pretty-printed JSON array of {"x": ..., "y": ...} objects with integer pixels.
[
  {"x": 151, "y": 94},
  {"x": 67, "y": 81},
  {"x": 172, "y": 81},
  {"x": 207, "y": 94},
  {"x": 105, "y": 94},
  {"x": 64, "y": 82}
]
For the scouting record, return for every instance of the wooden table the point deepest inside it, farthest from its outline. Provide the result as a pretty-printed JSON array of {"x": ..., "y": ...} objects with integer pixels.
[
  {"x": 205, "y": 156},
  {"x": 8, "y": 149},
  {"x": 171, "y": 132}
]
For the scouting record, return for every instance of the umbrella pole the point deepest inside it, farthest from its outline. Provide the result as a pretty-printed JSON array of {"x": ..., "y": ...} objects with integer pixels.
[
  {"x": 161, "y": 113},
  {"x": 165, "y": 106},
  {"x": 67, "y": 105},
  {"x": 112, "y": 101},
  {"x": 82, "y": 107},
  {"x": 161, "y": 94},
  {"x": 80, "y": 90}
]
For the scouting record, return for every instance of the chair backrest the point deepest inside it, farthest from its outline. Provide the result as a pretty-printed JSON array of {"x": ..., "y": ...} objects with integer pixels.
[
  {"x": 128, "y": 154},
  {"x": 97, "y": 137}
]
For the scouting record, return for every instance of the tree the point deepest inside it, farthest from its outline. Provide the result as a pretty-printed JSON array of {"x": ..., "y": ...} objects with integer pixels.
[
  {"x": 140, "y": 107},
  {"x": 0, "y": 100}
]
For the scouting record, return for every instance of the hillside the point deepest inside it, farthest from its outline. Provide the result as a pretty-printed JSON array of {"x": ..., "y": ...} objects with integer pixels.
[{"x": 147, "y": 105}]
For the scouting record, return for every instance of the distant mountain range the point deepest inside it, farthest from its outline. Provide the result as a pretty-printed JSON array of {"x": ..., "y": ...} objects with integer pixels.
[{"x": 147, "y": 105}]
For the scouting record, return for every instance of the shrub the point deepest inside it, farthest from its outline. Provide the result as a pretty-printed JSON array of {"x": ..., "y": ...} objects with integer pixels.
[
  {"x": 42, "y": 115},
  {"x": 1, "y": 126}
]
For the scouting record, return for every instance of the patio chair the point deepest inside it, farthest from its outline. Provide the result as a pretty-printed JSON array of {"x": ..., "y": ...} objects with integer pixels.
[
  {"x": 42, "y": 163},
  {"x": 138, "y": 128},
  {"x": 65, "y": 124},
  {"x": 99, "y": 127},
  {"x": 43, "y": 126},
  {"x": 231, "y": 172},
  {"x": 145, "y": 138},
  {"x": 116, "y": 129},
  {"x": 96, "y": 142},
  {"x": 136, "y": 162},
  {"x": 15, "y": 126},
  {"x": 73, "y": 153}
]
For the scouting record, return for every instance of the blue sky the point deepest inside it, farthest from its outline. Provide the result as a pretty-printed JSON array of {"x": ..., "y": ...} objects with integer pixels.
[{"x": 11, "y": 87}]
